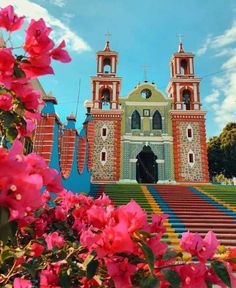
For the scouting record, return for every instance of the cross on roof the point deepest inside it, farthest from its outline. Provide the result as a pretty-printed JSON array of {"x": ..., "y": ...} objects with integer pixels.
[
  {"x": 108, "y": 35},
  {"x": 180, "y": 36},
  {"x": 145, "y": 71}
]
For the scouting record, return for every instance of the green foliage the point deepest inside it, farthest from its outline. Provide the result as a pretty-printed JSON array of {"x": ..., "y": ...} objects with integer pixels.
[
  {"x": 172, "y": 277},
  {"x": 222, "y": 152},
  {"x": 221, "y": 271},
  {"x": 149, "y": 256}
]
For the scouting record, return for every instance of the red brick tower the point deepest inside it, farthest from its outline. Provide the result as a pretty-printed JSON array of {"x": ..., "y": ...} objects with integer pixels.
[
  {"x": 104, "y": 131},
  {"x": 188, "y": 121}
]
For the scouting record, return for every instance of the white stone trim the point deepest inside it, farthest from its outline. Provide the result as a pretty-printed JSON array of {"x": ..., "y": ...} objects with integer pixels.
[
  {"x": 97, "y": 91},
  {"x": 191, "y": 65},
  {"x": 189, "y": 138},
  {"x": 107, "y": 131},
  {"x": 100, "y": 64},
  {"x": 148, "y": 138},
  {"x": 195, "y": 92},
  {"x": 189, "y": 163},
  {"x": 177, "y": 65},
  {"x": 113, "y": 65},
  {"x": 114, "y": 91},
  {"x": 130, "y": 103},
  {"x": 178, "y": 92},
  {"x": 160, "y": 161},
  {"x": 103, "y": 162}
]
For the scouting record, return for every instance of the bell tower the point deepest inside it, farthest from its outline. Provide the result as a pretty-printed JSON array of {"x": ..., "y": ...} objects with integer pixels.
[
  {"x": 188, "y": 120},
  {"x": 104, "y": 131}
]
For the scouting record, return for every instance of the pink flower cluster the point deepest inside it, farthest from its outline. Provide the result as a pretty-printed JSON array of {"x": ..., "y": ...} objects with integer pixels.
[
  {"x": 22, "y": 179},
  {"x": 76, "y": 239},
  {"x": 115, "y": 235},
  {"x": 16, "y": 72}
]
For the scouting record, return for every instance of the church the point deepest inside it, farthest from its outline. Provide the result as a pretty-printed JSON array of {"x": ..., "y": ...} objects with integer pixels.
[
  {"x": 146, "y": 137},
  {"x": 143, "y": 137}
]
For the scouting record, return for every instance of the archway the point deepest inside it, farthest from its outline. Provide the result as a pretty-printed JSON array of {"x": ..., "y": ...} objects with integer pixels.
[{"x": 146, "y": 166}]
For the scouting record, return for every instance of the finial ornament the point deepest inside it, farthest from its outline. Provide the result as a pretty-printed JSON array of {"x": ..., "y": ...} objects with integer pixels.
[
  {"x": 180, "y": 36},
  {"x": 145, "y": 67},
  {"x": 108, "y": 35}
]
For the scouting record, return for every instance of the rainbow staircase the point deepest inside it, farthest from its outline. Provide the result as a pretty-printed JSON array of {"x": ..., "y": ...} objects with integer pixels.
[{"x": 198, "y": 209}]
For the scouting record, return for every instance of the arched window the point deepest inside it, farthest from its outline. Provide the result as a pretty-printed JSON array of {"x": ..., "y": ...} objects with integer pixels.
[
  {"x": 186, "y": 99},
  {"x": 183, "y": 67},
  {"x": 105, "y": 99},
  {"x": 157, "y": 121},
  {"x": 106, "y": 65},
  {"x": 135, "y": 120}
]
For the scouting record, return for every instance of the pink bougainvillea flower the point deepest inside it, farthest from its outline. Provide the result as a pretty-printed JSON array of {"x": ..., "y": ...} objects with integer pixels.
[
  {"x": 133, "y": 215},
  {"x": 27, "y": 129},
  {"x": 113, "y": 238},
  {"x": 50, "y": 276},
  {"x": 60, "y": 213},
  {"x": 15, "y": 183},
  {"x": 54, "y": 240},
  {"x": 158, "y": 247},
  {"x": 231, "y": 257},
  {"x": 157, "y": 225},
  {"x": 31, "y": 99},
  {"x": 37, "y": 249},
  {"x": 9, "y": 20},
  {"x": 98, "y": 216},
  {"x": 37, "y": 66},
  {"x": 37, "y": 41},
  {"x": 7, "y": 62},
  {"x": 61, "y": 54},
  {"x": 209, "y": 246},
  {"x": 191, "y": 242},
  {"x": 192, "y": 275},
  {"x": 6, "y": 102},
  {"x": 22, "y": 283},
  {"x": 120, "y": 273}
]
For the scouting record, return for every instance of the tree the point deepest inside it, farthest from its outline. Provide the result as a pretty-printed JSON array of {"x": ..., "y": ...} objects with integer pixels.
[
  {"x": 215, "y": 156},
  {"x": 222, "y": 152},
  {"x": 228, "y": 146}
]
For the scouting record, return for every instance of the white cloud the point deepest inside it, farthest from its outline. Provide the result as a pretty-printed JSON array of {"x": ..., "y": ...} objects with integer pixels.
[
  {"x": 59, "y": 3},
  {"x": 202, "y": 50},
  {"x": 222, "y": 99},
  {"x": 61, "y": 30},
  {"x": 213, "y": 97},
  {"x": 228, "y": 37}
]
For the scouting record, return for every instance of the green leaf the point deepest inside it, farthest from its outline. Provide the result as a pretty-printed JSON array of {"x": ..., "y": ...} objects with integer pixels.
[
  {"x": 11, "y": 133},
  {"x": 148, "y": 255},
  {"x": 91, "y": 269},
  {"x": 222, "y": 272},
  {"x": 18, "y": 72},
  {"x": 209, "y": 284},
  {"x": 146, "y": 234},
  {"x": 30, "y": 267},
  {"x": 64, "y": 279},
  {"x": 171, "y": 254},
  {"x": 172, "y": 277},
  {"x": 233, "y": 260},
  {"x": 149, "y": 282},
  {"x": 6, "y": 254}
]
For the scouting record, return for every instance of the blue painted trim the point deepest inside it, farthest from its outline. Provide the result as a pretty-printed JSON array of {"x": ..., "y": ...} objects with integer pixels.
[
  {"x": 213, "y": 202},
  {"x": 166, "y": 209},
  {"x": 77, "y": 182}
]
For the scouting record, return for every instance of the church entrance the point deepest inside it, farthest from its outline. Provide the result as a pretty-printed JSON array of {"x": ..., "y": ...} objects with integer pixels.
[{"x": 146, "y": 166}]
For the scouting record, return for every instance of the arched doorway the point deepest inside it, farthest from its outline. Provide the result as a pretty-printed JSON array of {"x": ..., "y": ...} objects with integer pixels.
[{"x": 146, "y": 166}]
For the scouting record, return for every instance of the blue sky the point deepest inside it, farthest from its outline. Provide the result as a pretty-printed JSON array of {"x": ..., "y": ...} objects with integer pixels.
[{"x": 143, "y": 32}]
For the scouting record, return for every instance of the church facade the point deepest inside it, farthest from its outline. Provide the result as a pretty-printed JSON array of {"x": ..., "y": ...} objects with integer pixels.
[{"x": 147, "y": 137}]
